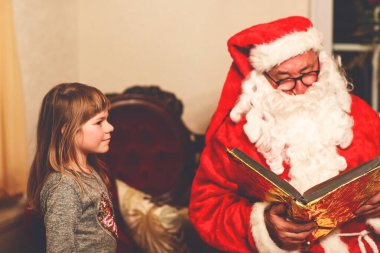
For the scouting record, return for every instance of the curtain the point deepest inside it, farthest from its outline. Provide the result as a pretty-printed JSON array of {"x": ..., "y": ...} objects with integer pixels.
[{"x": 13, "y": 143}]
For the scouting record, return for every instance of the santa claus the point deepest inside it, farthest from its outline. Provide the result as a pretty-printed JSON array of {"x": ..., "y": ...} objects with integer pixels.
[{"x": 286, "y": 104}]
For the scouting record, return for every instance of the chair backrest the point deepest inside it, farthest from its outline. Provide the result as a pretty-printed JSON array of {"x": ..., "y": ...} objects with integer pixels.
[{"x": 151, "y": 148}]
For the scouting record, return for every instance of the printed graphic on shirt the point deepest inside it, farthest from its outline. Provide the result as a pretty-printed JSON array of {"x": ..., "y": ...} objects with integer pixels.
[{"x": 105, "y": 215}]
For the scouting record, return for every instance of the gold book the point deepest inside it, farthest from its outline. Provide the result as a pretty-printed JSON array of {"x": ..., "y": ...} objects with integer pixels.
[{"x": 329, "y": 203}]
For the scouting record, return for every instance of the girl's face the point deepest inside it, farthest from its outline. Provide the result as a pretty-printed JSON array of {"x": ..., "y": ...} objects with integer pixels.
[{"x": 95, "y": 135}]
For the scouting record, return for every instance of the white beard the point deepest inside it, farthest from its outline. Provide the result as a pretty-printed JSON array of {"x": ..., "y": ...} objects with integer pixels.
[{"x": 302, "y": 130}]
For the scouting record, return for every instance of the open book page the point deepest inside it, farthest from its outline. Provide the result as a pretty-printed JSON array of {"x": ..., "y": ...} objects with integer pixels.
[
  {"x": 329, "y": 208},
  {"x": 319, "y": 190},
  {"x": 339, "y": 205},
  {"x": 260, "y": 182}
]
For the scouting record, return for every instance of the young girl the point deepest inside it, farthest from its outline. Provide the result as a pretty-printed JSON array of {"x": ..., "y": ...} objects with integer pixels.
[{"x": 67, "y": 182}]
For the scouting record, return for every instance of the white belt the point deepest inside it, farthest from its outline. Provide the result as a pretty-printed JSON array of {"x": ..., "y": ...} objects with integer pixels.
[{"x": 363, "y": 235}]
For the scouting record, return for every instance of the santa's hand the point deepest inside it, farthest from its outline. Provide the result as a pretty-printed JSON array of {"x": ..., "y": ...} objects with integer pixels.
[
  {"x": 285, "y": 233},
  {"x": 371, "y": 208}
]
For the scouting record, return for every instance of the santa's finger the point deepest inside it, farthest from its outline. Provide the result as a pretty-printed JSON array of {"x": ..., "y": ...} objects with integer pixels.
[
  {"x": 364, "y": 209},
  {"x": 295, "y": 237},
  {"x": 375, "y": 200},
  {"x": 374, "y": 212}
]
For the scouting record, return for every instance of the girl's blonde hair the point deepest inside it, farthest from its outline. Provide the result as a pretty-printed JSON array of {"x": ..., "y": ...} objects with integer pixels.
[{"x": 65, "y": 108}]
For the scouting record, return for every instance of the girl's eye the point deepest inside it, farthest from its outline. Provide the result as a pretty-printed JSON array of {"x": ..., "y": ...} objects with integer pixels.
[{"x": 99, "y": 122}]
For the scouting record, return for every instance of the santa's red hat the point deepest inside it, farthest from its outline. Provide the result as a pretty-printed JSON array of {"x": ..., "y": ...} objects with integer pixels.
[{"x": 262, "y": 47}]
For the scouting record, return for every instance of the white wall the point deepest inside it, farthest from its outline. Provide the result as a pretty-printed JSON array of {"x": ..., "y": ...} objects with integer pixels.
[
  {"x": 179, "y": 45},
  {"x": 47, "y": 40},
  {"x": 321, "y": 14}
]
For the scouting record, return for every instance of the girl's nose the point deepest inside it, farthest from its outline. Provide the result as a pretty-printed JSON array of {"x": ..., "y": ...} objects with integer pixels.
[{"x": 109, "y": 127}]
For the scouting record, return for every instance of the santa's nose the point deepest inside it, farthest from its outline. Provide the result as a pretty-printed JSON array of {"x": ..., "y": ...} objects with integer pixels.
[{"x": 300, "y": 88}]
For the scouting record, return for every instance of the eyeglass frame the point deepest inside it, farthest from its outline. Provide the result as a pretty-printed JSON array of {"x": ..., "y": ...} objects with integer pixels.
[{"x": 295, "y": 79}]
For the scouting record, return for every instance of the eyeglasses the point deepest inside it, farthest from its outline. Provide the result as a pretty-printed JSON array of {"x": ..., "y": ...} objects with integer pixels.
[{"x": 288, "y": 84}]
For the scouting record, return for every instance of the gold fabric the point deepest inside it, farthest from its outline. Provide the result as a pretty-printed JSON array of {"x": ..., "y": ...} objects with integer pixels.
[
  {"x": 156, "y": 229},
  {"x": 13, "y": 144}
]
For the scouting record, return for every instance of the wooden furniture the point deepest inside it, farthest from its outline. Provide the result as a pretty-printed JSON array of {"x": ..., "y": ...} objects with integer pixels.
[{"x": 153, "y": 151}]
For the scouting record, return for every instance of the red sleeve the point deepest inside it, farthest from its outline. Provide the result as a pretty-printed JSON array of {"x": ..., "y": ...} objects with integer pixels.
[
  {"x": 219, "y": 214},
  {"x": 366, "y": 131}
]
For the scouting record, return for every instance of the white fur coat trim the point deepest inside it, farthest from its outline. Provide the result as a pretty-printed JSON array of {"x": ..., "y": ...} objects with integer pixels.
[
  {"x": 375, "y": 224},
  {"x": 264, "y": 57},
  {"x": 333, "y": 244},
  {"x": 263, "y": 241}
]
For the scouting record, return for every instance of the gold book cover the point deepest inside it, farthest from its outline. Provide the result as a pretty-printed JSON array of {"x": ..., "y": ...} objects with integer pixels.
[{"x": 329, "y": 203}]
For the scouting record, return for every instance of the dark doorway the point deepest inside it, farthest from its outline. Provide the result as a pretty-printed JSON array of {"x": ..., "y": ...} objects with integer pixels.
[{"x": 356, "y": 37}]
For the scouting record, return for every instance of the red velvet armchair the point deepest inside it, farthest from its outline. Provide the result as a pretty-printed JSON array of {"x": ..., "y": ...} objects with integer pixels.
[{"x": 154, "y": 152}]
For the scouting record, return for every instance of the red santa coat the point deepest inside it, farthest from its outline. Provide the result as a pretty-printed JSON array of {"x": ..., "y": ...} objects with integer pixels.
[{"x": 228, "y": 221}]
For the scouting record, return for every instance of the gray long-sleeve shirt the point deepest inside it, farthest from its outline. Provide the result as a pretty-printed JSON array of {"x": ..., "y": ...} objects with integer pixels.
[{"x": 76, "y": 220}]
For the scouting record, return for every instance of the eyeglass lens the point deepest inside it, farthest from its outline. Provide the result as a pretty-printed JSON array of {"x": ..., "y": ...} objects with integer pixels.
[{"x": 307, "y": 79}]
